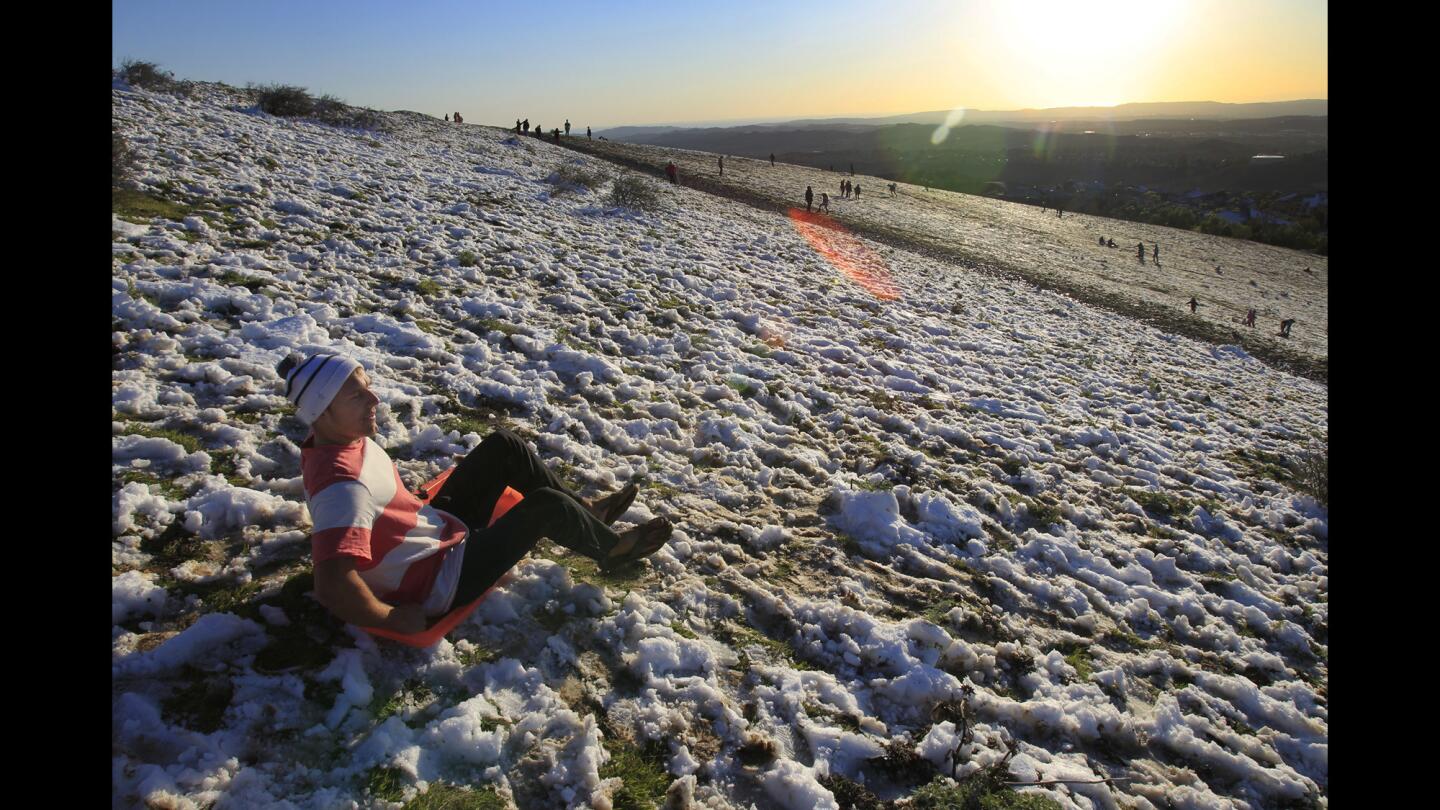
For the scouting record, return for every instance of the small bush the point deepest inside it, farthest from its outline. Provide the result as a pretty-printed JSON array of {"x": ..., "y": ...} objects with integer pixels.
[
  {"x": 147, "y": 75},
  {"x": 1312, "y": 472},
  {"x": 468, "y": 259},
  {"x": 336, "y": 113},
  {"x": 574, "y": 176},
  {"x": 285, "y": 101},
  {"x": 122, "y": 160},
  {"x": 632, "y": 191}
]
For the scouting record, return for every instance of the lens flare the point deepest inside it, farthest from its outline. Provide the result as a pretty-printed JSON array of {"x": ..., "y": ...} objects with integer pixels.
[
  {"x": 846, "y": 253},
  {"x": 943, "y": 131}
]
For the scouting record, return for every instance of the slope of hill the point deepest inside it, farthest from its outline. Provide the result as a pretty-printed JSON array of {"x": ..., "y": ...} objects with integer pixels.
[
  {"x": 1228, "y": 276},
  {"x": 929, "y": 520}
]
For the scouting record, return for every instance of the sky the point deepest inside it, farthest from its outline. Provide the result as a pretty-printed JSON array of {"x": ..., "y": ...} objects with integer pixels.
[{"x": 604, "y": 64}]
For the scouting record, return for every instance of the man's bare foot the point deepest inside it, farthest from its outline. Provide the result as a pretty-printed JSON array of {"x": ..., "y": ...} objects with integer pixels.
[
  {"x": 611, "y": 507},
  {"x": 638, "y": 542}
]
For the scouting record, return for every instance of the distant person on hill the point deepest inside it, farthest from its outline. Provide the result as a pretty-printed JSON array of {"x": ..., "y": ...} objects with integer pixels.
[
  {"x": 447, "y": 116},
  {"x": 385, "y": 558},
  {"x": 1194, "y": 305},
  {"x": 1285, "y": 327},
  {"x": 857, "y": 191},
  {"x": 672, "y": 172},
  {"x": 722, "y": 165},
  {"x": 458, "y": 119},
  {"x": 517, "y": 126},
  {"x": 1102, "y": 241},
  {"x": 567, "y": 126},
  {"x": 772, "y": 159},
  {"x": 1059, "y": 211},
  {"x": 557, "y": 134},
  {"x": 809, "y": 197},
  {"x": 892, "y": 189},
  {"x": 824, "y": 202},
  {"x": 587, "y": 134},
  {"x": 1157, "y": 254},
  {"x": 1250, "y": 318},
  {"x": 526, "y": 125},
  {"x": 539, "y": 131},
  {"x": 1110, "y": 243},
  {"x": 1140, "y": 252}
]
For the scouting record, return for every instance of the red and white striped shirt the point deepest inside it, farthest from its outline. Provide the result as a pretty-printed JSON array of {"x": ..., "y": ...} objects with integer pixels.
[{"x": 409, "y": 552}]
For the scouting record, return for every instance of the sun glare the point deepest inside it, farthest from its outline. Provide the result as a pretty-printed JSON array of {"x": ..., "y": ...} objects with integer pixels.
[{"x": 1067, "y": 54}]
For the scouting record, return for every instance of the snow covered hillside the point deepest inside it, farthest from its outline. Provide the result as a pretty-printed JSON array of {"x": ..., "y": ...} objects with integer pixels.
[
  {"x": 977, "y": 531},
  {"x": 1227, "y": 276}
]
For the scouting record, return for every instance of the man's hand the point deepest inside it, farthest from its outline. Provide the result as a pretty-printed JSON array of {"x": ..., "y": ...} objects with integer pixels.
[{"x": 406, "y": 619}]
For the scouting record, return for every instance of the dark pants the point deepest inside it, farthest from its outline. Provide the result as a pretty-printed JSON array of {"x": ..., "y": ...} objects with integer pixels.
[{"x": 550, "y": 509}]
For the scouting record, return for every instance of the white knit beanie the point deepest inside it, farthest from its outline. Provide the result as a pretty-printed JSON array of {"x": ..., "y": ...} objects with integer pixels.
[{"x": 312, "y": 384}]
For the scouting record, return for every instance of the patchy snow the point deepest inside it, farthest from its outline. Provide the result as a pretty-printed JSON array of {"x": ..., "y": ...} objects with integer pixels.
[{"x": 879, "y": 503}]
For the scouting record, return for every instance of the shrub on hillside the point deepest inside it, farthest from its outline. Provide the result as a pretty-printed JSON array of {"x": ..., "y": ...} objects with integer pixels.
[
  {"x": 1312, "y": 472},
  {"x": 147, "y": 75},
  {"x": 336, "y": 113},
  {"x": 572, "y": 176},
  {"x": 122, "y": 160},
  {"x": 284, "y": 100},
  {"x": 633, "y": 191}
]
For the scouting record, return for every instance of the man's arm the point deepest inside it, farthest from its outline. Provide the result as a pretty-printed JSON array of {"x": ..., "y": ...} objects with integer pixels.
[{"x": 340, "y": 589}]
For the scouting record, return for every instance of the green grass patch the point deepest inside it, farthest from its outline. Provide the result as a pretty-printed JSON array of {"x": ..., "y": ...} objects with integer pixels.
[
  {"x": 1078, "y": 656},
  {"x": 742, "y": 386},
  {"x": 1160, "y": 503},
  {"x": 642, "y": 770},
  {"x": 738, "y": 635},
  {"x": 140, "y": 208},
  {"x": 387, "y": 784},
  {"x": 683, "y": 631},
  {"x": 453, "y": 797},
  {"x": 169, "y": 489},
  {"x": 222, "y": 462},
  {"x": 428, "y": 327},
  {"x": 985, "y": 790},
  {"x": 235, "y": 279},
  {"x": 428, "y": 288},
  {"x": 268, "y": 162},
  {"x": 475, "y": 655},
  {"x": 185, "y": 440},
  {"x": 468, "y": 258},
  {"x": 484, "y": 326}
]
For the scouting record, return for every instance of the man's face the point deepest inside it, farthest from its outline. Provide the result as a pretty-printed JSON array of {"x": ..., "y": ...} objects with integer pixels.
[{"x": 351, "y": 414}]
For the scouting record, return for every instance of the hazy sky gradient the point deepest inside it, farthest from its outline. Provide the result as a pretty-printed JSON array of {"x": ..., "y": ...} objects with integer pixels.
[{"x": 606, "y": 64}]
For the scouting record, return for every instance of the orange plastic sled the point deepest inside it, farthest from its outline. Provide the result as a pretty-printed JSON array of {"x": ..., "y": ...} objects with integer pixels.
[{"x": 444, "y": 624}]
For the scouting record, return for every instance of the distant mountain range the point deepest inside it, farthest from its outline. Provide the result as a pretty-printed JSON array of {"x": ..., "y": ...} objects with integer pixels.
[{"x": 1209, "y": 110}]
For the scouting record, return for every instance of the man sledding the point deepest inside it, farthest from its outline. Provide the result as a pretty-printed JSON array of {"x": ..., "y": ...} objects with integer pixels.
[{"x": 384, "y": 558}]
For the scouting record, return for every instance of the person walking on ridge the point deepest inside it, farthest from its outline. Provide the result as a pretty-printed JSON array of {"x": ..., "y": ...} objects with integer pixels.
[
  {"x": 447, "y": 116},
  {"x": 517, "y": 126},
  {"x": 1194, "y": 305},
  {"x": 857, "y": 191},
  {"x": 1285, "y": 327},
  {"x": 672, "y": 172},
  {"x": 809, "y": 196},
  {"x": 587, "y": 134},
  {"x": 722, "y": 165},
  {"x": 1157, "y": 254},
  {"x": 567, "y": 127},
  {"x": 824, "y": 202},
  {"x": 772, "y": 160},
  {"x": 1250, "y": 318},
  {"x": 1140, "y": 252},
  {"x": 557, "y": 134},
  {"x": 526, "y": 125}
]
